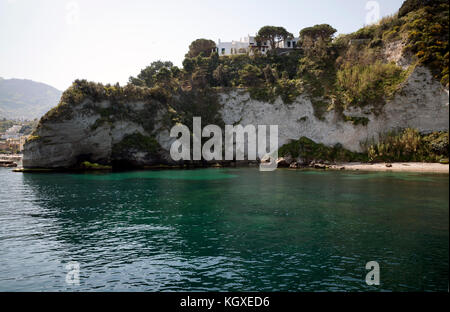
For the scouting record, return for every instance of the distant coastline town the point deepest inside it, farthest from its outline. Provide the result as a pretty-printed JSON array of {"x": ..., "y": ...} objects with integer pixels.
[
  {"x": 13, "y": 135},
  {"x": 13, "y": 139}
]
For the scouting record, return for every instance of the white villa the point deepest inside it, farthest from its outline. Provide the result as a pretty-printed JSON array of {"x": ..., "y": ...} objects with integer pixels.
[{"x": 248, "y": 45}]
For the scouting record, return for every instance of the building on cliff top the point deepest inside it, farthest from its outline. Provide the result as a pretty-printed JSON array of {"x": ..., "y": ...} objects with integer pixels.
[{"x": 248, "y": 45}]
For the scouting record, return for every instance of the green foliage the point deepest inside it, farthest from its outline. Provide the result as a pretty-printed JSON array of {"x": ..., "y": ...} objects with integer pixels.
[
  {"x": 359, "y": 85},
  {"x": 136, "y": 142},
  {"x": 222, "y": 75},
  {"x": 188, "y": 65},
  {"x": 158, "y": 72},
  {"x": 406, "y": 145},
  {"x": 357, "y": 120},
  {"x": 265, "y": 76},
  {"x": 309, "y": 150},
  {"x": 348, "y": 71},
  {"x": 410, "y": 145},
  {"x": 273, "y": 35},
  {"x": 194, "y": 103},
  {"x": 373, "y": 36},
  {"x": 317, "y": 73},
  {"x": 318, "y": 32},
  {"x": 421, "y": 24},
  {"x": 32, "y": 138},
  {"x": 92, "y": 94},
  {"x": 203, "y": 47},
  {"x": 362, "y": 75},
  {"x": 323, "y": 31},
  {"x": 437, "y": 143},
  {"x": 316, "y": 67},
  {"x": 250, "y": 76},
  {"x": 86, "y": 165},
  {"x": 288, "y": 89},
  {"x": 428, "y": 35},
  {"x": 412, "y": 5},
  {"x": 181, "y": 105}
]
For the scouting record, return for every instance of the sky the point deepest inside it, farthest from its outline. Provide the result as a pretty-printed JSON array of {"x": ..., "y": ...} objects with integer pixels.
[{"x": 58, "y": 41}]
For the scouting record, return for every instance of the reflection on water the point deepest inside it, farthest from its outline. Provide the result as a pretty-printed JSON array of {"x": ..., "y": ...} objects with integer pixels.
[{"x": 224, "y": 229}]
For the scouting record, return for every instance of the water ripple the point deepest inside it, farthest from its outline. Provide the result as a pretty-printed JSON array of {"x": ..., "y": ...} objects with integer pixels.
[{"x": 223, "y": 230}]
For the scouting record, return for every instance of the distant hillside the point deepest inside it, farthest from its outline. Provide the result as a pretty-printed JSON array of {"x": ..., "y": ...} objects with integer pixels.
[{"x": 22, "y": 98}]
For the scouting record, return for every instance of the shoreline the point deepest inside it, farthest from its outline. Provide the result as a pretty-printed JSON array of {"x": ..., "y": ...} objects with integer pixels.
[
  {"x": 396, "y": 167},
  {"x": 348, "y": 166}
]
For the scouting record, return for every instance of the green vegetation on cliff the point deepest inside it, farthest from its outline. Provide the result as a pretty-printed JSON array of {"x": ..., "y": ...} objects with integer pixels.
[
  {"x": 336, "y": 73},
  {"x": 137, "y": 142},
  {"x": 309, "y": 150},
  {"x": 86, "y": 165},
  {"x": 405, "y": 145},
  {"x": 410, "y": 145},
  {"x": 82, "y": 91}
]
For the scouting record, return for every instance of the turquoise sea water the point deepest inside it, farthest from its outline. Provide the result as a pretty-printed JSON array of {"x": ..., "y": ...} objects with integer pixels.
[{"x": 224, "y": 230}]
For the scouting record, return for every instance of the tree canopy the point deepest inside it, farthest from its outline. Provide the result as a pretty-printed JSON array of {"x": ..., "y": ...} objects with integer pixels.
[
  {"x": 204, "y": 46},
  {"x": 158, "y": 71},
  {"x": 336, "y": 73},
  {"x": 411, "y": 5},
  {"x": 273, "y": 34},
  {"x": 322, "y": 31}
]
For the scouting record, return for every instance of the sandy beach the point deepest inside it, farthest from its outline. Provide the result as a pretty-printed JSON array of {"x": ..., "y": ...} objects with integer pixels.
[{"x": 396, "y": 167}]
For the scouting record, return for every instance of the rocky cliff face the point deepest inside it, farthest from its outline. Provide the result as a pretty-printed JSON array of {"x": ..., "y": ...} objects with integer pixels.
[
  {"x": 421, "y": 103},
  {"x": 82, "y": 137}
]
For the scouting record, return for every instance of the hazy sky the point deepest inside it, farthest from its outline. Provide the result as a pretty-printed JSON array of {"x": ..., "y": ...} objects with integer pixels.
[{"x": 57, "y": 41}]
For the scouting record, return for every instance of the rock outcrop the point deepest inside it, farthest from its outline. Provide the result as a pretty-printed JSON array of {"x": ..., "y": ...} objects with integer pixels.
[
  {"x": 422, "y": 103},
  {"x": 83, "y": 137},
  {"x": 137, "y": 139}
]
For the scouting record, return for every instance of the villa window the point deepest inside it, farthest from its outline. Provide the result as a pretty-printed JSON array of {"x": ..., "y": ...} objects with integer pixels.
[
  {"x": 223, "y": 50},
  {"x": 289, "y": 44}
]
